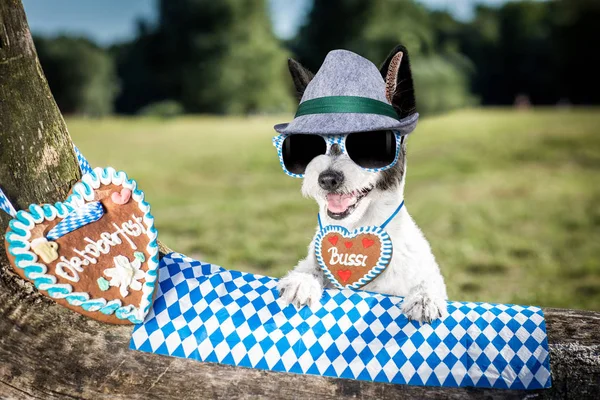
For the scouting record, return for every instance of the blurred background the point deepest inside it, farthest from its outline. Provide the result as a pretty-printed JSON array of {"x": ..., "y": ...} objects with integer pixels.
[{"x": 503, "y": 168}]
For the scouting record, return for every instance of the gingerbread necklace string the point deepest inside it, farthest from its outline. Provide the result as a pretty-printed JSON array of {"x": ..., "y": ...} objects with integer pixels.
[
  {"x": 382, "y": 226},
  {"x": 6, "y": 205}
]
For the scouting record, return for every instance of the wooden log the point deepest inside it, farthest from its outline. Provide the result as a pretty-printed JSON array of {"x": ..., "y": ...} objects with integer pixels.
[{"x": 49, "y": 352}]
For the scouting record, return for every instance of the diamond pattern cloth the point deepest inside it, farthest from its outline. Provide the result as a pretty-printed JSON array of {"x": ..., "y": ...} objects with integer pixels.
[
  {"x": 210, "y": 314},
  {"x": 88, "y": 213}
]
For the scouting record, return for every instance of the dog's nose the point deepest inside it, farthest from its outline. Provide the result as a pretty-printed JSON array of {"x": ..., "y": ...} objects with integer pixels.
[{"x": 331, "y": 180}]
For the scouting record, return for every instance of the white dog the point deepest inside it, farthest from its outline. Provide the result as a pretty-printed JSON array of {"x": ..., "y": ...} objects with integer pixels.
[{"x": 352, "y": 196}]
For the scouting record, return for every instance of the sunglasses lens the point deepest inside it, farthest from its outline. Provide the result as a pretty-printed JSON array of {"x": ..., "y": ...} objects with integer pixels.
[
  {"x": 299, "y": 150},
  {"x": 372, "y": 149}
]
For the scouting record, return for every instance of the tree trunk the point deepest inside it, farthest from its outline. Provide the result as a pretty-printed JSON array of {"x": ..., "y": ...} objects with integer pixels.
[
  {"x": 50, "y": 352},
  {"x": 37, "y": 162},
  {"x": 36, "y": 158}
]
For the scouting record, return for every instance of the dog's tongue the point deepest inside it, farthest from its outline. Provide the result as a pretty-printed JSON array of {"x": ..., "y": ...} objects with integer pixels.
[{"x": 338, "y": 203}]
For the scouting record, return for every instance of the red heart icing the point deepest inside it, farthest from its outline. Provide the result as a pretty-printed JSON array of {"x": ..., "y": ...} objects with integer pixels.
[
  {"x": 344, "y": 275},
  {"x": 367, "y": 243},
  {"x": 348, "y": 244},
  {"x": 333, "y": 240}
]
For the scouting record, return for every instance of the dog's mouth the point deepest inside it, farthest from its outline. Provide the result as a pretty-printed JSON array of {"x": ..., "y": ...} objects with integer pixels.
[{"x": 340, "y": 205}]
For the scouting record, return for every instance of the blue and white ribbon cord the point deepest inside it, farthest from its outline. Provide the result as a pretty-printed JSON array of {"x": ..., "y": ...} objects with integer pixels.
[
  {"x": 84, "y": 165},
  {"x": 207, "y": 313},
  {"x": 86, "y": 214},
  {"x": 6, "y": 205}
]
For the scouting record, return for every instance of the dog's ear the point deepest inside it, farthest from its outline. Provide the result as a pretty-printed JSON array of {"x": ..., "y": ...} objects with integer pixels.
[
  {"x": 300, "y": 75},
  {"x": 399, "y": 88}
]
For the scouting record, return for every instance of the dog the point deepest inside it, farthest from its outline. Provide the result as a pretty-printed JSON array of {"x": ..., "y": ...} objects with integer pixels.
[{"x": 352, "y": 196}]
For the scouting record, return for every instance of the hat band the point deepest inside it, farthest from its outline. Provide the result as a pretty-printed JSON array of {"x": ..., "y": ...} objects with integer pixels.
[{"x": 346, "y": 104}]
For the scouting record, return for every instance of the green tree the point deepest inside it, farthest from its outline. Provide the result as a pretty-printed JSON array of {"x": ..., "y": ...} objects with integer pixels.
[
  {"x": 539, "y": 49},
  {"x": 80, "y": 74},
  {"x": 513, "y": 50},
  {"x": 575, "y": 34},
  {"x": 145, "y": 72},
  {"x": 372, "y": 29},
  {"x": 212, "y": 56}
]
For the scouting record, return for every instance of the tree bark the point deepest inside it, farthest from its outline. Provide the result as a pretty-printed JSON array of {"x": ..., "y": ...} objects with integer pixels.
[
  {"x": 37, "y": 162},
  {"x": 36, "y": 158},
  {"x": 50, "y": 352}
]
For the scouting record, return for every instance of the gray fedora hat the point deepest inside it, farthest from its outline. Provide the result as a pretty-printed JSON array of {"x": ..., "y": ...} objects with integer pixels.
[{"x": 348, "y": 94}]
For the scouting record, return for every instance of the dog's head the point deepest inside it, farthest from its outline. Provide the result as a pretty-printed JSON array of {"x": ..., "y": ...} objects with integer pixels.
[{"x": 343, "y": 189}]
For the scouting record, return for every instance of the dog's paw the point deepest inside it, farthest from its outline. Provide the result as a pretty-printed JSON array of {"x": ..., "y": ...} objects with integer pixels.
[
  {"x": 300, "y": 289},
  {"x": 422, "y": 307}
]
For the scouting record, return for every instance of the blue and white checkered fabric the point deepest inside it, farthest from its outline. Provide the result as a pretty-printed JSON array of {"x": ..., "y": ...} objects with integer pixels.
[
  {"x": 204, "y": 312},
  {"x": 6, "y": 205},
  {"x": 88, "y": 213},
  {"x": 83, "y": 163}
]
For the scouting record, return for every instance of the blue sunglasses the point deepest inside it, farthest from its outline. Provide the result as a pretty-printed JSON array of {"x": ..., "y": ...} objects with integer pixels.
[{"x": 372, "y": 151}]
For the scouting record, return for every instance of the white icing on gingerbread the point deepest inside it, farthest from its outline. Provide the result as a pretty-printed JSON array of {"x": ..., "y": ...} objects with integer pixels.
[
  {"x": 125, "y": 275},
  {"x": 348, "y": 260},
  {"x": 70, "y": 269},
  {"x": 73, "y": 266}
]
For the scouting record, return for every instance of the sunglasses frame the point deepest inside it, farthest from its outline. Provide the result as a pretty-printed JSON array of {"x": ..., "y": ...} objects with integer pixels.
[{"x": 330, "y": 140}]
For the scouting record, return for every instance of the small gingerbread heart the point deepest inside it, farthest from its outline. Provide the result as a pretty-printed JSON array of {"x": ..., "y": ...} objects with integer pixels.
[{"x": 352, "y": 259}]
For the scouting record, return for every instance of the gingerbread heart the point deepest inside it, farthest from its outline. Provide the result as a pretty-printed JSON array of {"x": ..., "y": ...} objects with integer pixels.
[
  {"x": 352, "y": 259},
  {"x": 92, "y": 254}
]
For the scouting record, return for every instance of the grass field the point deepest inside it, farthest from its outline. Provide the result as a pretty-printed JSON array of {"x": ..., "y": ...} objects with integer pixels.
[{"x": 509, "y": 200}]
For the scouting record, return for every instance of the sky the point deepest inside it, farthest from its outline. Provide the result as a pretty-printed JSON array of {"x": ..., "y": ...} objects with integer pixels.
[{"x": 110, "y": 21}]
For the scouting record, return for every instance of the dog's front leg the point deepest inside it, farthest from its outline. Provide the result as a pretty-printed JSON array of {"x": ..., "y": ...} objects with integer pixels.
[
  {"x": 424, "y": 304},
  {"x": 304, "y": 284}
]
